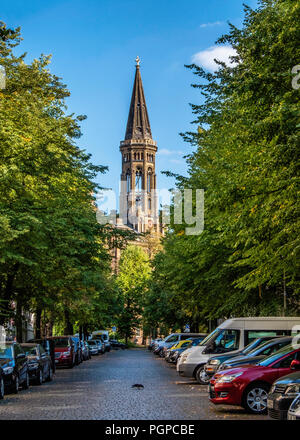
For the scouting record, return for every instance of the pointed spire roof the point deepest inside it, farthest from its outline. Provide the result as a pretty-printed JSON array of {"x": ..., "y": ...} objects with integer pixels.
[{"x": 138, "y": 125}]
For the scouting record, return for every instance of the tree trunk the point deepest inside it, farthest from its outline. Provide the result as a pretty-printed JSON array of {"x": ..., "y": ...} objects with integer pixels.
[
  {"x": 80, "y": 332},
  {"x": 18, "y": 321},
  {"x": 38, "y": 317},
  {"x": 68, "y": 324},
  {"x": 85, "y": 331}
]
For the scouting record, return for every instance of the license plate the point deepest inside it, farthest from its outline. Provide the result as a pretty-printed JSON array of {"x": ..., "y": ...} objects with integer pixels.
[{"x": 270, "y": 403}]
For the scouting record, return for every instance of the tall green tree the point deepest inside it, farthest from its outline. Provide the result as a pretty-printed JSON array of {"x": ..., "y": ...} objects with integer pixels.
[
  {"x": 246, "y": 149},
  {"x": 134, "y": 273},
  {"x": 54, "y": 258}
]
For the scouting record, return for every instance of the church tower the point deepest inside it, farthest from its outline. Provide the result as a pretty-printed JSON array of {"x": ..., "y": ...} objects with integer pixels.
[{"x": 138, "y": 199}]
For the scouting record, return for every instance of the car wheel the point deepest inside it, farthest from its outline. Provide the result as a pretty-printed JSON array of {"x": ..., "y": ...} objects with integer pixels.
[
  {"x": 1, "y": 388},
  {"x": 50, "y": 374},
  {"x": 39, "y": 379},
  {"x": 201, "y": 376},
  {"x": 26, "y": 383},
  {"x": 255, "y": 399}
]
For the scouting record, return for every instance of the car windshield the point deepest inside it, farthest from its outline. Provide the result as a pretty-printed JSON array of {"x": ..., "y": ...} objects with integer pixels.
[
  {"x": 104, "y": 336},
  {"x": 210, "y": 337},
  {"x": 92, "y": 343},
  {"x": 30, "y": 351},
  {"x": 274, "y": 357},
  {"x": 197, "y": 341},
  {"x": 226, "y": 339},
  {"x": 5, "y": 351},
  {"x": 61, "y": 342},
  {"x": 171, "y": 338},
  {"x": 251, "y": 346},
  {"x": 257, "y": 350}
]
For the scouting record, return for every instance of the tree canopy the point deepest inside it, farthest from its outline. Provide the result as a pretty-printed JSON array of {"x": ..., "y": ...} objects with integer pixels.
[{"x": 246, "y": 149}]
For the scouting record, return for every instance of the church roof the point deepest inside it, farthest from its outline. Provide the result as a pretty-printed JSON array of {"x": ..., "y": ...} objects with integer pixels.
[{"x": 138, "y": 125}]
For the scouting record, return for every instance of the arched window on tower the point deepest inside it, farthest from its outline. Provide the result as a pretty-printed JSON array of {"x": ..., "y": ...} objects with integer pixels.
[
  {"x": 149, "y": 175},
  {"x": 138, "y": 179},
  {"x": 128, "y": 181}
]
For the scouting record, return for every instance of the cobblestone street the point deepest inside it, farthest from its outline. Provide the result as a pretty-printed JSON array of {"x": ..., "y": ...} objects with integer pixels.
[{"x": 101, "y": 389}]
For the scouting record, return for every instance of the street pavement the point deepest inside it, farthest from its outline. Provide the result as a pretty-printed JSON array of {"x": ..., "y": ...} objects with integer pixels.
[{"x": 101, "y": 388}]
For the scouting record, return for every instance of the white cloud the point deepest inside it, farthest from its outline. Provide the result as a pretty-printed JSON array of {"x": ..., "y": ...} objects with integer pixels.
[
  {"x": 166, "y": 152},
  {"x": 205, "y": 58},
  {"x": 215, "y": 23}
]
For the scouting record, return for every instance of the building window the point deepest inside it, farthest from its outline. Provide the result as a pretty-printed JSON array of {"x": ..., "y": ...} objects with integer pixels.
[
  {"x": 138, "y": 180},
  {"x": 128, "y": 181},
  {"x": 149, "y": 204},
  {"x": 149, "y": 181}
]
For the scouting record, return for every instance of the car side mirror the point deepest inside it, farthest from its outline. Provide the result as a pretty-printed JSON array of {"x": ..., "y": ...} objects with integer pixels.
[{"x": 295, "y": 365}]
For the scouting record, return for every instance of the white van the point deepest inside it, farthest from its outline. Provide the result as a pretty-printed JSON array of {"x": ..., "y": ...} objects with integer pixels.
[{"x": 231, "y": 336}]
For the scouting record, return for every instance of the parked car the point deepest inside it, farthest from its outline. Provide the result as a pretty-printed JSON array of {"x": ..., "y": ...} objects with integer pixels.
[
  {"x": 93, "y": 346},
  {"x": 231, "y": 336},
  {"x": 86, "y": 355},
  {"x": 64, "y": 351},
  {"x": 282, "y": 394},
  {"x": 116, "y": 344},
  {"x": 161, "y": 347},
  {"x": 153, "y": 342},
  {"x": 101, "y": 344},
  {"x": 258, "y": 354},
  {"x": 103, "y": 335},
  {"x": 2, "y": 392},
  {"x": 175, "y": 354},
  {"x": 39, "y": 363},
  {"x": 248, "y": 386},
  {"x": 49, "y": 346},
  {"x": 294, "y": 410},
  {"x": 215, "y": 363},
  {"x": 14, "y": 364},
  {"x": 181, "y": 344}
]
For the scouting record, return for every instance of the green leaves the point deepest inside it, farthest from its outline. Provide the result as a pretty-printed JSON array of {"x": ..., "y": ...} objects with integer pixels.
[
  {"x": 246, "y": 159},
  {"x": 52, "y": 250}
]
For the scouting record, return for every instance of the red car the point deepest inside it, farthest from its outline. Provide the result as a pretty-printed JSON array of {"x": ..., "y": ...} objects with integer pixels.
[
  {"x": 248, "y": 386},
  {"x": 64, "y": 351}
]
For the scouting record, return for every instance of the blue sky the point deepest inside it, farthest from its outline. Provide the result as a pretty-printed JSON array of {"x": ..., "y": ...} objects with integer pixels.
[{"x": 94, "y": 44}]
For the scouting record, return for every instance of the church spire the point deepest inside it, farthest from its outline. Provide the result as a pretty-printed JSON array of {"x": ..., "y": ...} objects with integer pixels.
[{"x": 138, "y": 125}]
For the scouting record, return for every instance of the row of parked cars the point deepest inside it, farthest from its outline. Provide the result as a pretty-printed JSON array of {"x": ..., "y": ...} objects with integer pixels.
[
  {"x": 22, "y": 364},
  {"x": 249, "y": 362}
]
